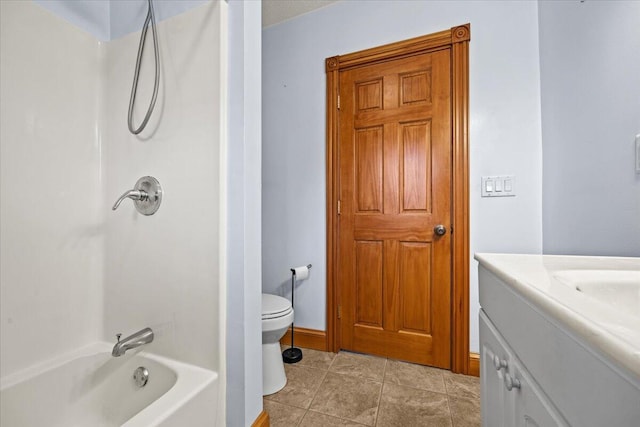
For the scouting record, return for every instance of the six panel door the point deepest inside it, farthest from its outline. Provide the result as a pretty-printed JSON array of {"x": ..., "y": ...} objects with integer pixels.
[{"x": 394, "y": 272}]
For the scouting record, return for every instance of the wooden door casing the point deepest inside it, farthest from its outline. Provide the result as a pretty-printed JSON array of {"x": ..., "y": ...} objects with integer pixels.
[{"x": 457, "y": 40}]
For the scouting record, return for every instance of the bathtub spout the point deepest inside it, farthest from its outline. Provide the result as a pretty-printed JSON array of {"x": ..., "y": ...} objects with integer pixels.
[{"x": 142, "y": 337}]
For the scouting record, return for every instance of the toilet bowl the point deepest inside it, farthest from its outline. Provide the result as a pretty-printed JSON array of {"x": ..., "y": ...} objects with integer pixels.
[{"x": 277, "y": 316}]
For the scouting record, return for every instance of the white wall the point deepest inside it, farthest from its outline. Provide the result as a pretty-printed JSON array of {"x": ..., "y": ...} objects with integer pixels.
[
  {"x": 244, "y": 327},
  {"x": 590, "y": 73},
  {"x": 50, "y": 187},
  {"x": 505, "y": 129},
  {"x": 162, "y": 271}
]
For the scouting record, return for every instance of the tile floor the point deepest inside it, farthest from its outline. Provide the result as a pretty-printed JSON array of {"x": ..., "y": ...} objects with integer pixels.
[{"x": 349, "y": 389}]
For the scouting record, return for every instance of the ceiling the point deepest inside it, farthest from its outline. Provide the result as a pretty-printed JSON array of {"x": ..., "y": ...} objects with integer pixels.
[{"x": 277, "y": 11}]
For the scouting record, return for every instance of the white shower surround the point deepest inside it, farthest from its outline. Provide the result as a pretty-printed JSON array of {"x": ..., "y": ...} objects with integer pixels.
[
  {"x": 161, "y": 271},
  {"x": 74, "y": 272},
  {"x": 51, "y": 216}
]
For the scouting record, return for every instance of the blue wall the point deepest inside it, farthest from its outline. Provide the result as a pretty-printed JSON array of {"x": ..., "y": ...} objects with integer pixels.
[{"x": 590, "y": 75}]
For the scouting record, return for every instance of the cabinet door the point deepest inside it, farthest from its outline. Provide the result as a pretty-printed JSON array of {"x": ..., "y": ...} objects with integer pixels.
[
  {"x": 533, "y": 408},
  {"x": 496, "y": 402},
  {"x": 525, "y": 405}
]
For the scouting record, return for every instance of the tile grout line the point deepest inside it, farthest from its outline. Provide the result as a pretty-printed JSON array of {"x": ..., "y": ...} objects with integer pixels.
[
  {"x": 450, "y": 412},
  {"x": 303, "y": 417},
  {"x": 306, "y": 410},
  {"x": 445, "y": 392},
  {"x": 335, "y": 356},
  {"x": 358, "y": 377},
  {"x": 271, "y": 399},
  {"x": 419, "y": 389},
  {"x": 384, "y": 372},
  {"x": 315, "y": 393},
  {"x": 288, "y": 406},
  {"x": 446, "y": 389}
]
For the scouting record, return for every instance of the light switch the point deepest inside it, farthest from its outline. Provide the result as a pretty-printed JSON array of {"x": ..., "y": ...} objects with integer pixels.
[
  {"x": 488, "y": 185},
  {"x": 507, "y": 185},
  {"x": 498, "y": 186}
]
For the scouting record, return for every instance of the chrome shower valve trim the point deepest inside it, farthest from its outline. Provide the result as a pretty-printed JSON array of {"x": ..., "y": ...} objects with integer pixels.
[{"x": 146, "y": 196}]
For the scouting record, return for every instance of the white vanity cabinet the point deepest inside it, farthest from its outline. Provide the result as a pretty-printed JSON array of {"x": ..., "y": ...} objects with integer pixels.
[
  {"x": 510, "y": 397},
  {"x": 569, "y": 358},
  {"x": 497, "y": 404}
]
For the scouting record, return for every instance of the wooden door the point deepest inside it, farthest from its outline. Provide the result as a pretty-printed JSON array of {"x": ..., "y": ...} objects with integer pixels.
[{"x": 395, "y": 155}]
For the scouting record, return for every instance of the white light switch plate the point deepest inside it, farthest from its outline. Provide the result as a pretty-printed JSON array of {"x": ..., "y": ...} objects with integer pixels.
[{"x": 499, "y": 186}]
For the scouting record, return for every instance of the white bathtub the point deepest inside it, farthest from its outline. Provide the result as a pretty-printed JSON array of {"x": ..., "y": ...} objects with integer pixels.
[{"x": 89, "y": 387}]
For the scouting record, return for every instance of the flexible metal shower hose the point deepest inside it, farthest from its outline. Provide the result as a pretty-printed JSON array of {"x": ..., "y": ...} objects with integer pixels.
[{"x": 150, "y": 18}]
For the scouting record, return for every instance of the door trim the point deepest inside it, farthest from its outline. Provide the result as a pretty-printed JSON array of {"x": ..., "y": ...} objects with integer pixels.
[{"x": 457, "y": 39}]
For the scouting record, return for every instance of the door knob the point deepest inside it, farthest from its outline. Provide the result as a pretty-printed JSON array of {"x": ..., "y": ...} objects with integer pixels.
[{"x": 440, "y": 230}]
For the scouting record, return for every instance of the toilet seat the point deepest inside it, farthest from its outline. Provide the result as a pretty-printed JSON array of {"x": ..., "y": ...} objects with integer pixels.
[{"x": 274, "y": 306}]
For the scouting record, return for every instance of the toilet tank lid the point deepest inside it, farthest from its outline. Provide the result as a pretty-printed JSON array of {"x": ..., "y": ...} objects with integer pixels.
[{"x": 273, "y": 304}]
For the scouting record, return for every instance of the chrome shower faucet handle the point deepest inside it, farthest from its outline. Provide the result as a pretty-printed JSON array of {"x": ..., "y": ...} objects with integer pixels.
[
  {"x": 133, "y": 195},
  {"x": 146, "y": 196}
]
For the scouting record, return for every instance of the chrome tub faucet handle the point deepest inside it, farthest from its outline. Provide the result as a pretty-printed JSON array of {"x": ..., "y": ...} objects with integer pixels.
[
  {"x": 146, "y": 196},
  {"x": 133, "y": 195}
]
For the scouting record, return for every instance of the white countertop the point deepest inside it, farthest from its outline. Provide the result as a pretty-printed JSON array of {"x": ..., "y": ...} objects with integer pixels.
[{"x": 597, "y": 319}]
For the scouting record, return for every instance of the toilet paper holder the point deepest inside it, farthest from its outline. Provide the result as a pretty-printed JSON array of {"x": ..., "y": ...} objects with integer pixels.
[
  {"x": 293, "y": 270},
  {"x": 293, "y": 354}
]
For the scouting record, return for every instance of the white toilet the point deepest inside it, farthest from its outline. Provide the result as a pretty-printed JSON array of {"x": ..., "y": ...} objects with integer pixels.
[{"x": 277, "y": 316}]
